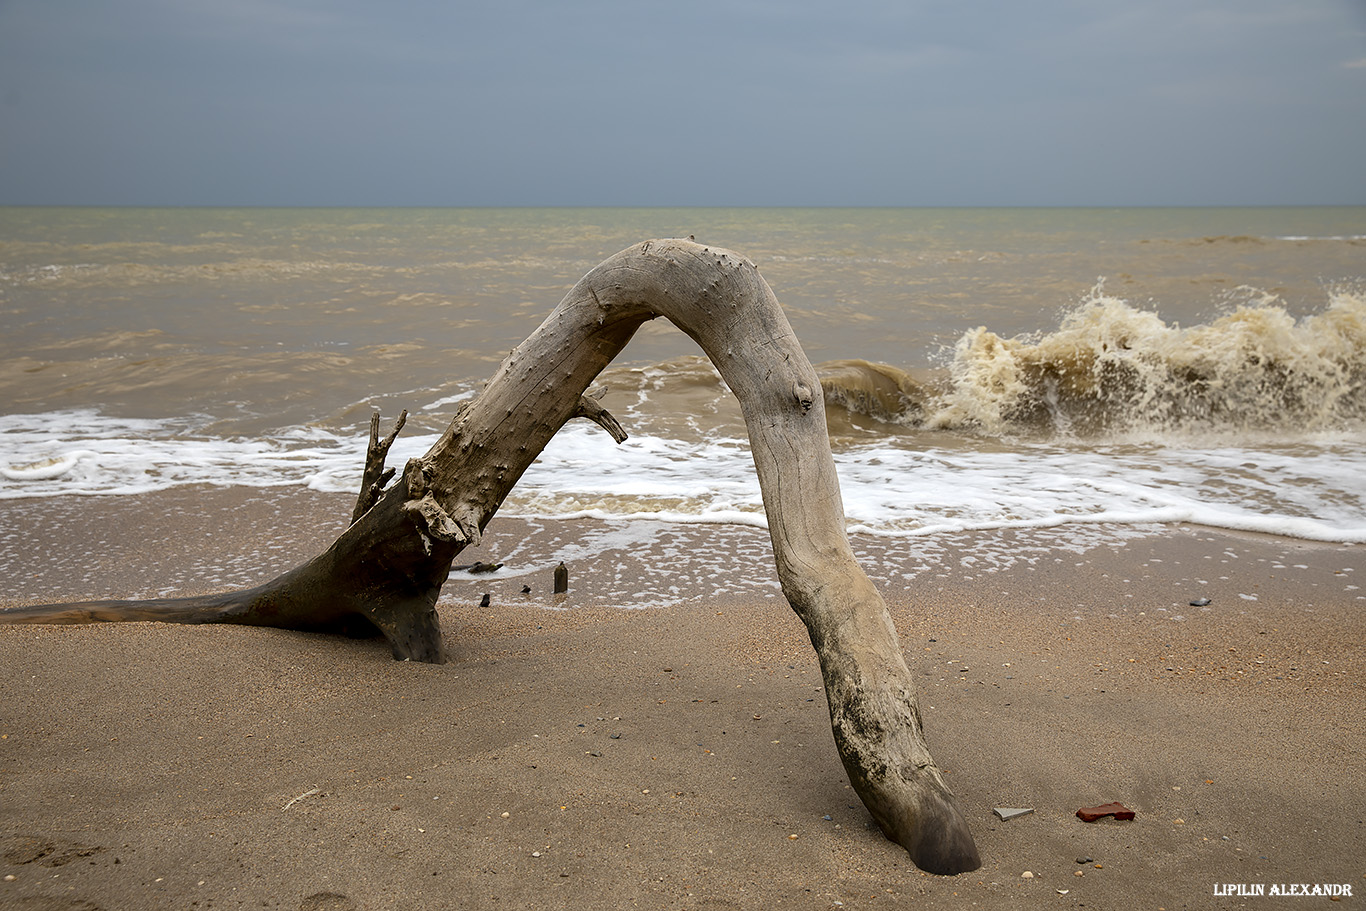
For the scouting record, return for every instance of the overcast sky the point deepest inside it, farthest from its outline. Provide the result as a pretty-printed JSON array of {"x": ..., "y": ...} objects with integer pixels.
[{"x": 690, "y": 102}]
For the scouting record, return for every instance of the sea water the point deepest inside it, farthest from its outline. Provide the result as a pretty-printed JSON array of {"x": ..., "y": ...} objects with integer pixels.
[{"x": 983, "y": 369}]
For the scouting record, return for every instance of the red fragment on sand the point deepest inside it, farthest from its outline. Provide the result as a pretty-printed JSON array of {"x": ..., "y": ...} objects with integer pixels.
[{"x": 1117, "y": 810}]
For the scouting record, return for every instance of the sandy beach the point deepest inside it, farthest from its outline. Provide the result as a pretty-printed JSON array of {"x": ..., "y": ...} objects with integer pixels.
[{"x": 578, "y": 753}]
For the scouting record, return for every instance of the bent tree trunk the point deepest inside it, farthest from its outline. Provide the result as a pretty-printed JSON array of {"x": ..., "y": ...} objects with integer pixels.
[{"x": 389, "y": 565}]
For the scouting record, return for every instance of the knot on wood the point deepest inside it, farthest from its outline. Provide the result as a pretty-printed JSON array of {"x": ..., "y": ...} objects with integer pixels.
[
  {"x": 415, "y": 478},
  {"x": 802, "y": 393},
  {"x": 430, "y": 519},
  {"x": 427, "y": 514},
  {"x": 433, "y": 521}
]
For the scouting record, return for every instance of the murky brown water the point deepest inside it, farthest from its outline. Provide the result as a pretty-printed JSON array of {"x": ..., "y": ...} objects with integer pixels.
[{"x": 147, "y": 347}]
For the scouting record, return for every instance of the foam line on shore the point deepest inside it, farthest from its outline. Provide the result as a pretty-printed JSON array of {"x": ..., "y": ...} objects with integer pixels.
[{"x": 1312, "y": 488}]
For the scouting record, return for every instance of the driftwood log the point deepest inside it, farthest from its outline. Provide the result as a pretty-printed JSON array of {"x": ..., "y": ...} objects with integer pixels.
[{"x": 387, "y": 568}]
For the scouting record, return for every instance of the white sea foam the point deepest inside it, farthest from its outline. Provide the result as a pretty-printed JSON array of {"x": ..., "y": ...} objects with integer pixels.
[
  {"x": 47, "y": 469},
  {"x": 1314, "y": 489},
  {"x": 1330, "y": 237},
  {"x": 84, "y": 452},
  {"x": 451, "y": 399}
]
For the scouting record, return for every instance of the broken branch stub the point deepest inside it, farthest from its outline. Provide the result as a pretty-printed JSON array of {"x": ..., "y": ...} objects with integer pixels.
[
  {"x": 375, "y": 475},
  {"x": 389, "y": 565}
]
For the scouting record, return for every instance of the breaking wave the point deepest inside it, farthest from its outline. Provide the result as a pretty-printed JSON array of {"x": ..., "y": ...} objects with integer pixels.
[
  {"x": 1112, "y": 369},
  {"x": 879, "y": 391}
]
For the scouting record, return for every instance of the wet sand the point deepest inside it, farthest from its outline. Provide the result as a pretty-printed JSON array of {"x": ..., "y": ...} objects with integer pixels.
[{"x": 574, "y": 753}]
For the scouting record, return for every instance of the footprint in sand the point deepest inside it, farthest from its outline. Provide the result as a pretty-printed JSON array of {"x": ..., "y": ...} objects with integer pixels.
[{"x": 46, "y": 852}]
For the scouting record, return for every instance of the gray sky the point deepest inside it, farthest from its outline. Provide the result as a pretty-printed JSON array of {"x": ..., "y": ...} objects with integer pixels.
[{"x": 691, "y": 102}]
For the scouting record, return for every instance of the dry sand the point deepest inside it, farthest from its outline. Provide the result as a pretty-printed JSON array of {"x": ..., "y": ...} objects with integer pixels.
[{"x": 576, "y": 754}]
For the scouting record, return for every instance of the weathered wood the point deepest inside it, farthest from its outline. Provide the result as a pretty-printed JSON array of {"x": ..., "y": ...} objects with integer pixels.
[
  {"x": 375, "y": 475},
  {"x": 389, "y": 565}
]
